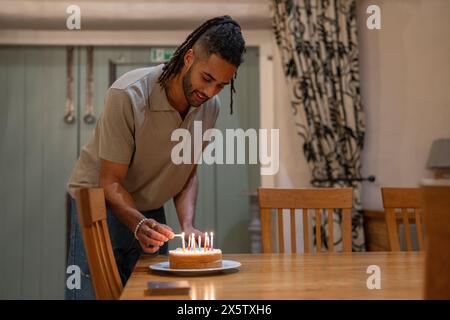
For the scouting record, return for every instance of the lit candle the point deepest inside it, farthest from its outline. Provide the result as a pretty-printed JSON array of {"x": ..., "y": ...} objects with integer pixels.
[
  {"x": 182, "y": 241},
  {"x": 189, "y": 243},
  {"x": 193, "y": 241},
  {"x": 212, "y": 241},
  {"x": 206, "y": 241},
  {"x": 199, "y": 241}
]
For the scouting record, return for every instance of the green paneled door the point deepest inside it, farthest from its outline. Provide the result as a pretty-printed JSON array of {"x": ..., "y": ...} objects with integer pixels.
[
  {"x": 234, "y": 182},
  {"x": 37, "y": 152}
]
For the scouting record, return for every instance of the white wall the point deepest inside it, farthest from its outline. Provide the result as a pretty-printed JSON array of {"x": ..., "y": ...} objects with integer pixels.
[
  {"x": 294, "y": 171},
  {"x": 405, "y": 84}
]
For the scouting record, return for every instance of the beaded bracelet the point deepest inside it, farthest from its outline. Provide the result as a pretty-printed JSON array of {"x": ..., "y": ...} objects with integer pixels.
[{"x": 138, "y": 226}]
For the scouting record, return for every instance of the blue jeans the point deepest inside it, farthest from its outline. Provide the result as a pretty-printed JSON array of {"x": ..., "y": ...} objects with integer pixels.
[{"x": 126, "y": 250}]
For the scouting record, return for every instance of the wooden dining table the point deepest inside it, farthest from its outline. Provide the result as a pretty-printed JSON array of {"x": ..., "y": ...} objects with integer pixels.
[{"x": 294, "y": 276}]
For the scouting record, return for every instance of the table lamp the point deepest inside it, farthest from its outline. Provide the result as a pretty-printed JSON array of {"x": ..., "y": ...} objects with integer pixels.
[{"x": 439, "y": 158}]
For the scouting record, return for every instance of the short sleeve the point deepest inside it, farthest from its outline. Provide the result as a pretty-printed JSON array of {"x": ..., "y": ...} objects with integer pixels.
[{"x": 116, "y": 128}]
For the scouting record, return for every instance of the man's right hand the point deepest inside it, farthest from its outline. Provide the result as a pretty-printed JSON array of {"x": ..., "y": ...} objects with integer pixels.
[
  {"x": 122, "y": 204},
  {"x": 151, "y": 239}
]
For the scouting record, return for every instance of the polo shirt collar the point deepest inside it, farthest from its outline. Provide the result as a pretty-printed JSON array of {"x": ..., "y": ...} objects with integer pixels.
[{"x": 158, "y": 101}]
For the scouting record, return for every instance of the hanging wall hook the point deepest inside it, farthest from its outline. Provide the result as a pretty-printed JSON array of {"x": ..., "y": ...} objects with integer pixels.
[
  {"x": 89, "y": 117},
  {"x": 69, "y": 117}
]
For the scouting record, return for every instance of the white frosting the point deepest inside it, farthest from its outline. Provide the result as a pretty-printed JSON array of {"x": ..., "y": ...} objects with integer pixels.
[{"x": 179, "y": 251}]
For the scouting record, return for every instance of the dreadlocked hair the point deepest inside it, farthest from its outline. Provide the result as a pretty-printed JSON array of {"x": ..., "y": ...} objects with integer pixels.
[{"x": 219, "y": 35}]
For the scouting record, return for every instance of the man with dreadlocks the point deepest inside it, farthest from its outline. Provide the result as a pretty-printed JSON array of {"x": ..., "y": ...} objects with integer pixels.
[{"x": 129, "y": 152}]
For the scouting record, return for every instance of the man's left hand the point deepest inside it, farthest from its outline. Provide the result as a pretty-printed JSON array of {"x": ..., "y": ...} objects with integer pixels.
[{"x": 188, "y": 231}]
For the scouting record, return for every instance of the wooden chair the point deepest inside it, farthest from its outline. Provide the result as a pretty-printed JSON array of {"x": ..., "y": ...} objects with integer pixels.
[
  {"x": 305, "y": 199},
  {"x": 402, "y": 199},
  {"x": 436, "y": 205},
  {"x": 92, "y": 216}
]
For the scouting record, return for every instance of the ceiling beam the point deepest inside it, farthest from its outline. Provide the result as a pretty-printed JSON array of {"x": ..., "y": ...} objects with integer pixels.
[{"x": 131, "y": 15}]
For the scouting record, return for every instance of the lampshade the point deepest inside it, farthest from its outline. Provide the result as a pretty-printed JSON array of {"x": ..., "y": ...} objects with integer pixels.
[{"x": 439, "y": 157}]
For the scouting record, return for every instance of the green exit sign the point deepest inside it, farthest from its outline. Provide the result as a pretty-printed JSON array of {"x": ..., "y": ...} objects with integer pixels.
[{"x": 161, "y": 54}]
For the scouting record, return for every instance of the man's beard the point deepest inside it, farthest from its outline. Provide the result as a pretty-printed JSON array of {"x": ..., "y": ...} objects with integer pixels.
[{"x": 189, "y": 91}]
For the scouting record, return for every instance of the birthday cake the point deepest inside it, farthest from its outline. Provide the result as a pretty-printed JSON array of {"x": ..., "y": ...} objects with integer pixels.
[
  {"x": 195, "y": 259},
  {"x": 196, "y": 256}
]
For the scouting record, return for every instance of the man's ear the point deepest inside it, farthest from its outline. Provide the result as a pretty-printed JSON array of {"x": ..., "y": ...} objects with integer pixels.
[{"x": 189, "y": 58}]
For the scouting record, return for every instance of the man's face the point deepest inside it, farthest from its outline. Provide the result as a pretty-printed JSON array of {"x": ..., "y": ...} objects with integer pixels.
[{"x": 205, "y": 77}]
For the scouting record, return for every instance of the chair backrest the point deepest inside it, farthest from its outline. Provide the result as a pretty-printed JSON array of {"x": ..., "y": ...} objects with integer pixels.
[
  {"x": 403, "y": 206},
  {"x": 102, "y": 265},
  {"x": 306, "y": 199},
  {"x": 436, "y": 205}
]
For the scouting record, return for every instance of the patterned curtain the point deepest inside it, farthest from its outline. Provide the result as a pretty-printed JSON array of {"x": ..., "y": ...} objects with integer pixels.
[{"x": 318, "y": 45}]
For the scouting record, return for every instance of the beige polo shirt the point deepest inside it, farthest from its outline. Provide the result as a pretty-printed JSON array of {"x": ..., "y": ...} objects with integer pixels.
[{"x": 135, "y": 128}]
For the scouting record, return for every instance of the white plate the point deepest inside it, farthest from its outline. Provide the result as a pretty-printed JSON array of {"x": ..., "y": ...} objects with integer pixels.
[{"x": 226, "y": 265}]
